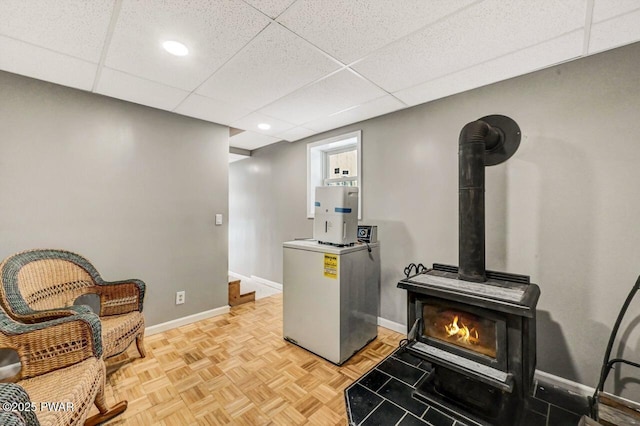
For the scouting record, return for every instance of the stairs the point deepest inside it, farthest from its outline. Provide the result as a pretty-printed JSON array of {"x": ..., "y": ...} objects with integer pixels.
[{"x": 235, "y": 298}]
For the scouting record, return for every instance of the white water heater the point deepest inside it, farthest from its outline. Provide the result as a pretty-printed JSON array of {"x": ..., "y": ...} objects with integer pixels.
[{"x": 336, "y": 215}]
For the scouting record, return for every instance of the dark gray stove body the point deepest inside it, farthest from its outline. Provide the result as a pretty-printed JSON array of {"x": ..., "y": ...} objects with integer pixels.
[
  {"x": 477, "y": 327},
  {"x": 479, "y": 388}
]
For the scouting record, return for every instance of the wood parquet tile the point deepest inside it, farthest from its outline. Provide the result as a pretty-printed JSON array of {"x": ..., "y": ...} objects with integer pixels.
[{"x": 236, "y": 369}]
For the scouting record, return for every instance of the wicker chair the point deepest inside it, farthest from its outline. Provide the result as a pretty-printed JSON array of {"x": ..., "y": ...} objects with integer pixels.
[
  {"x": 62, "y": 366},
  {"x": 43, "y": 284}
]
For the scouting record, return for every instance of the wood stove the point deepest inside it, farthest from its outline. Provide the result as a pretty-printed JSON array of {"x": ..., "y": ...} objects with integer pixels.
[
  {"x": 476, "y": 327},
  {"x": 480, "y": 339}
]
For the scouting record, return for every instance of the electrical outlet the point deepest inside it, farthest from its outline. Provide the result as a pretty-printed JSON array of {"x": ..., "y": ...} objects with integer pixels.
[{"x": 180, "y": 295}]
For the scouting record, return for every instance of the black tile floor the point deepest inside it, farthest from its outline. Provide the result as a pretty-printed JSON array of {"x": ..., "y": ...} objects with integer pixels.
[{"x": 383, "y": 396}]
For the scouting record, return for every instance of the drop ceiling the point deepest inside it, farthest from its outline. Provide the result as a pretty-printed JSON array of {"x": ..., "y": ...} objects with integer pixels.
[{"x": 302, "y": 66}]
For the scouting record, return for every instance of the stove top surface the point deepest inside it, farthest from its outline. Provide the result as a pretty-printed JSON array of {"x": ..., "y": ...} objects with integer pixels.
[{"x": 504, "y": 292}]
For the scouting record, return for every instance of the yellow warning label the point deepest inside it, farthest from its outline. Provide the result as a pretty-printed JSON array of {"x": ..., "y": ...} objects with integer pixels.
[{"x": 331, "y": 266}]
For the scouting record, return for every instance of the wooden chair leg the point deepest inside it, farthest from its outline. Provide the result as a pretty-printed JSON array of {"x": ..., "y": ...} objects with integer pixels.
[
  {"x": 105, "y": 413},
  {"x": 140, "y": 344},
  {"x": 109, "y": 414}
]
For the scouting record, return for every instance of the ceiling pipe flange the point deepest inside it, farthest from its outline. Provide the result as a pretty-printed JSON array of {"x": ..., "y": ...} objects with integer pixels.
[{"x": 507, "y": 143}]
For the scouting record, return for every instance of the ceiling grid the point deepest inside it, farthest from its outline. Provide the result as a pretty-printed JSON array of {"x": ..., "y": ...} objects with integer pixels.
[{"x": 301, "y": 66}]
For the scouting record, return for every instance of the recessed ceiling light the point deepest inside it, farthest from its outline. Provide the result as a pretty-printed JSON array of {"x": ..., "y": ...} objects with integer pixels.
[
  {"x": 264, "y": 126},
  {"x": 175, "y": 48}
]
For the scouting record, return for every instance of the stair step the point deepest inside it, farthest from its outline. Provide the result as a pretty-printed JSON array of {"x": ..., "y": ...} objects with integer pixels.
[{"x": 235, "y": 298}]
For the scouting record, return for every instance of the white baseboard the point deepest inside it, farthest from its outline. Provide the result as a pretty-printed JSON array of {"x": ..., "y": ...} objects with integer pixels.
[
  {"x": 548, "y": 378},
  {"x": 394, "y": 326},
  {"x": 571, "y": 386},
  {"x": 235, "y": 274},
  {"x": 268, "y": 283},
  {"x": 159, "y": 328},
  {"x": 257, "y": 279}
]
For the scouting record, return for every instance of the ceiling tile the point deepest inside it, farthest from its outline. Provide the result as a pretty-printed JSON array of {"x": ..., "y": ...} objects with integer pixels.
[
  {"x": 26, "y": 59},
  {"x": 340, "y": 91},
  {"x": 296, "y": 134},
  {"x": 479, "y": 33},
  {"x": 251, "y": 140},
  {"x": 247, "y": 68},
  {"x": 350, "y": 29},
  {"x": 274, "y": 64},
  {"x": 251, "y": 121},
  {"x": 518, "y": 63},
  {"x": 213, "y": 30},
  {"x": 380, "y": 106},
  {"x": 607, "y": 9},
  {"x": 271, "y": 8},
  {"x": 211, "y": 109},
  {"x": 134, "y": 89},
  {"x": 74, "y": 27},
  {"x": 614, "y": 32}
]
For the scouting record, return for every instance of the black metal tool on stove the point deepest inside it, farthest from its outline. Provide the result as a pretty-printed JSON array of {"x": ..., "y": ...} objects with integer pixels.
[{"x": 413, "y": 269}]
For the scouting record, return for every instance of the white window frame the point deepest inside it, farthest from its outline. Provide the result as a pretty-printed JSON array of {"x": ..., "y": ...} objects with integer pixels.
[{"x": 317, "y": 167}]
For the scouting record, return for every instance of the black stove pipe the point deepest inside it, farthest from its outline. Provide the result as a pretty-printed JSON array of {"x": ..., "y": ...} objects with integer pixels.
[
  {"x": 476, "y": 139},
  {"x": 471, "y": 231}
]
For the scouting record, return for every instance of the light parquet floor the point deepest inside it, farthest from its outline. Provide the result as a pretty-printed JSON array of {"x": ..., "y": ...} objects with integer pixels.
[{"x": 236, "y": 369}]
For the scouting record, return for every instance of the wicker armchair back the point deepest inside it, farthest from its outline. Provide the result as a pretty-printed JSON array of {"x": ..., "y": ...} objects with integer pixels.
[{"x": 40, "y": 285}]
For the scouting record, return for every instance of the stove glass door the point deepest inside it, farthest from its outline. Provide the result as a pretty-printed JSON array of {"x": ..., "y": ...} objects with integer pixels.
[{"x": 455, "y": 326}]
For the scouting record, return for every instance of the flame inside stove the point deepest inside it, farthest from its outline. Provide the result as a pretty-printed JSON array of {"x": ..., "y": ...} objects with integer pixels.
[{"x": 461, "y": 332}]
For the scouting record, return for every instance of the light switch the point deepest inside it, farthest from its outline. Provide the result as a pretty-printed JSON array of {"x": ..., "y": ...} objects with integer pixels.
[{"x": 218, "y": 219}]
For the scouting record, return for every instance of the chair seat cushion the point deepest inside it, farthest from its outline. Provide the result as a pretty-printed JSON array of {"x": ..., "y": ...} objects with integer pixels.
[
  {"x": 69, "y": 391},
  {"x": 119, "y": 331}
]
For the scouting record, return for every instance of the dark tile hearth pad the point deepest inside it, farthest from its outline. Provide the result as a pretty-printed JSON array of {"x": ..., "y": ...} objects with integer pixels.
[{"x": 383, "y": 397}]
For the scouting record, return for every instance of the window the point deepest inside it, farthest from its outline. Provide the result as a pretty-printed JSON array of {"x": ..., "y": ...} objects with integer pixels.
[
  {"x": 332, "y": 162},
  {"x": 342, "y": 167}
]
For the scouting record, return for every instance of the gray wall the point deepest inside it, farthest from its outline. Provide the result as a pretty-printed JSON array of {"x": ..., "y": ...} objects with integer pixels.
[
  {"x": 565, "y": 209},
  {"x": 265, "y": 208},
  {"x": 133, "y": 189}
]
